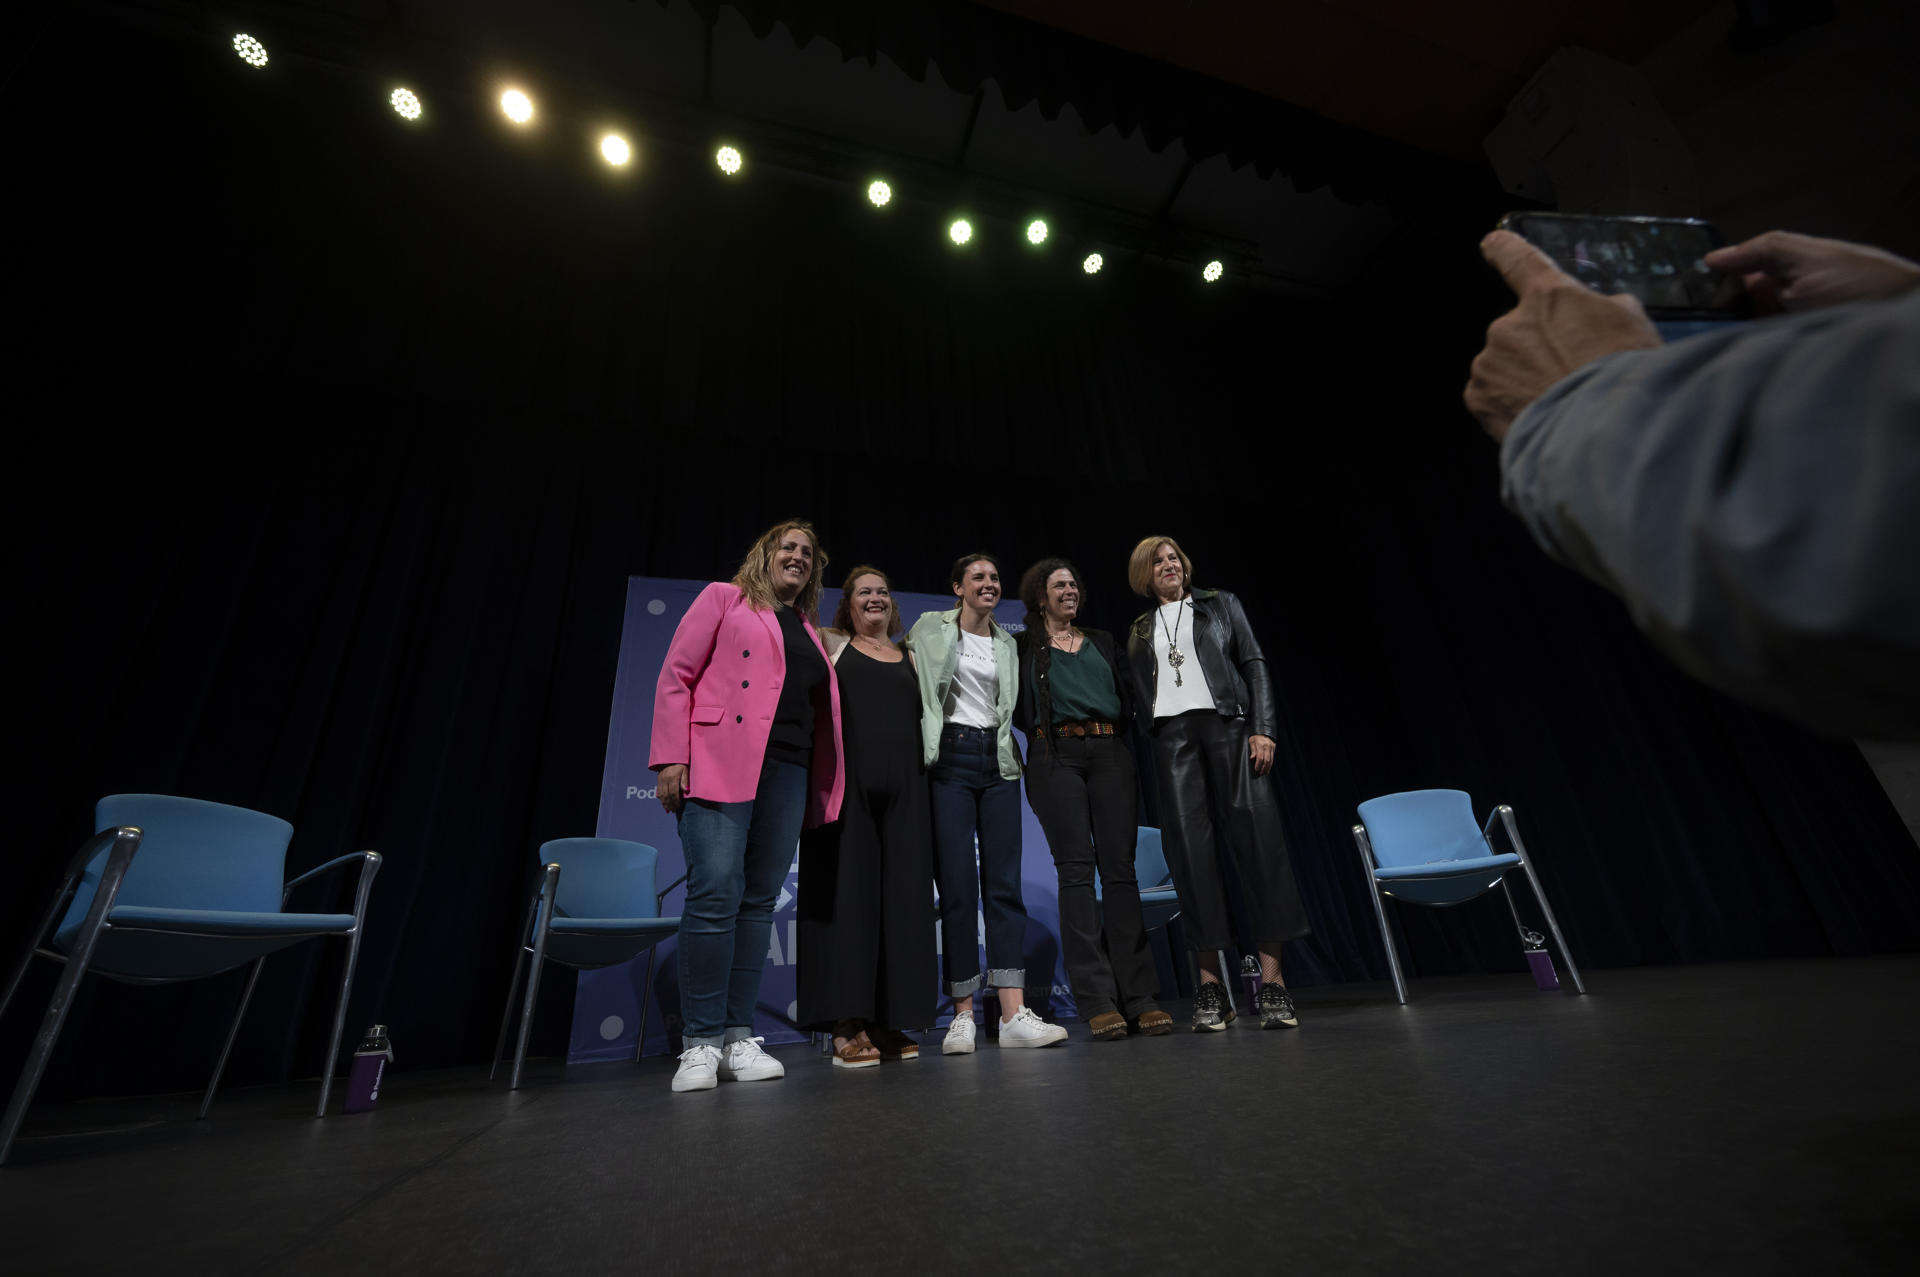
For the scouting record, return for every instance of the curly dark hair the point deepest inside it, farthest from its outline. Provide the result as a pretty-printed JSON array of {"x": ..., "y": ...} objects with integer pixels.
[{"x": 1033, "y": 589}]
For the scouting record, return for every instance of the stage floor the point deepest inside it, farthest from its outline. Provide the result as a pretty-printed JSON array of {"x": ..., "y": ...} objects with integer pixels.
[{"x": 1755, "y": 1117}]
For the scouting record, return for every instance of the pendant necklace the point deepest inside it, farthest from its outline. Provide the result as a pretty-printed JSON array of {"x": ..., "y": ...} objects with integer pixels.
[{"x": 1175, "y": 657}]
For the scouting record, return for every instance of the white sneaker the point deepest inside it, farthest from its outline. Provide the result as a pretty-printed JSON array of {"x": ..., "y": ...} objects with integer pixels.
[
  {"x": 746, "y": 1062},
  {"x": 697, "y": 1067},
  {"x": 1028, "y": 1029},
  {"x": 959, "y": 1039}
]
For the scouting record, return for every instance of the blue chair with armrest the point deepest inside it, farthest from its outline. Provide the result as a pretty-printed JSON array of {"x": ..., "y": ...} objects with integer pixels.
[
  {"x": 1424, "y": 847},
  {"x": 594, "y": 906},
  {"x": 177, "y": 889}
]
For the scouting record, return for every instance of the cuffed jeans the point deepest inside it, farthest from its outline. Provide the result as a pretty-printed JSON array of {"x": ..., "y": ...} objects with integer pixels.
[
  {"x": 971, "y": 798},
  {"x": 737, "y": 857}
]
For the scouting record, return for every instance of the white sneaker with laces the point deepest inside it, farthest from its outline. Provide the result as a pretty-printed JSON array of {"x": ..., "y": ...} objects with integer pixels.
[
  {"x": 959, "y": 1039},
  {"x": 1028, "y": 1029},
  {"x": 697, "y": 1067},
  {"x": 746, "y": 1062}
]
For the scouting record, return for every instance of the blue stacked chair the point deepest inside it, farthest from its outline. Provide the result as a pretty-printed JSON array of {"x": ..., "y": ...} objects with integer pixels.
[
  {"x": 1424, "y": 847},
  {"x": 177, "y": 889},
  {"x": 595, "y": 905}
]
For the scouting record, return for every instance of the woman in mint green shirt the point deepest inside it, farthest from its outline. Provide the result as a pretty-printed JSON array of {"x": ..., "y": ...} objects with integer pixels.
[{"x": 967, "y": 670}]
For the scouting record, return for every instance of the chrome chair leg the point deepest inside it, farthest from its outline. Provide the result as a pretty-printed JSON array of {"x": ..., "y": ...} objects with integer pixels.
[
  {"x": 368, "y": 868},
  {"x": 246, "y": 996},
  {"x": 1539, "y": 893},
  {"x": 1361, "y": 841},
  {"x": 123, "y": 842},
  {"x": 38, "y": 936},
  {"x": 646, "y": 1000},
  {"x": 521, "y": 940},
  {"x": 544, "y": 924}
]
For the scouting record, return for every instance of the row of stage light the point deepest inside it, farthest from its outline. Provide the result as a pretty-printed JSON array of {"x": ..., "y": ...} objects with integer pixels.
[{"x": 518, "y": 107}]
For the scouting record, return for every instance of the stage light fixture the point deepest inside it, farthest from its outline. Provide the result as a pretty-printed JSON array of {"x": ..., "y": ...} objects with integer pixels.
[
  {"x": 517, "y": 105},
  {"x": 1213, "y": 271},
  {"x": 405, "y": 103},
  {"x": 251, "y": 51},
  {"x": 615, "y": 149},
  {"x": 879, "y": 193},
  {"x": 1093, "y": 264},
  {"x": 1036, "y": 232},
  {"x": 961, "y": 231},
  {"x": 728, "y": 159}
]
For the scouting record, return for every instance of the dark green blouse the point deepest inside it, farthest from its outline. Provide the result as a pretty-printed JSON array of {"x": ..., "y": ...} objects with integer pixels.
[{"x": 1083, "y": 686}]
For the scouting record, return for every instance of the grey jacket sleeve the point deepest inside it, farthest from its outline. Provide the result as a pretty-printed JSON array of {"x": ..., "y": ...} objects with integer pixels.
[{"x": 1753, "y": 494}]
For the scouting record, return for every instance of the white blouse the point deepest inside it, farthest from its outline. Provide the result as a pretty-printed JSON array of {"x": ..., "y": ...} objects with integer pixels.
[{"x": 1173, "y": 696}]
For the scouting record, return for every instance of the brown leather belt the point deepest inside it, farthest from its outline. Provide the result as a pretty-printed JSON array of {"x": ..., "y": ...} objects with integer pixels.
[{"x": 1090, "y": 727}]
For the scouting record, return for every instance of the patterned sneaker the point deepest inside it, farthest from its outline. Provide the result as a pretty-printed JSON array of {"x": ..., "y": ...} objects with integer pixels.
[
  {"x": 1212, "y": 1008},
  {"x": 959, "y": 1039},
  {"x": 746, "y": 1062},
  {"x": 697, "y": 1067},
  {"x": 1276, "y": 1008},
  {"x": 1028, "y": 1029}
]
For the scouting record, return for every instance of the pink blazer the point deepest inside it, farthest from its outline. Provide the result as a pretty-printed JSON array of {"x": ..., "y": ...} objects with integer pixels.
[{"x": 713, "y": 706}]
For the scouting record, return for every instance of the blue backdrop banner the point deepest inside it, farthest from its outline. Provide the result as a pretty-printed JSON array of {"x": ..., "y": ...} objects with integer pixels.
[{"x": 606, "y": 1009}]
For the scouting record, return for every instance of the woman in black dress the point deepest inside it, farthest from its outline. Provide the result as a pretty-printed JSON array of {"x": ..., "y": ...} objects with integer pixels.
[{"x": 865, "y": 911}]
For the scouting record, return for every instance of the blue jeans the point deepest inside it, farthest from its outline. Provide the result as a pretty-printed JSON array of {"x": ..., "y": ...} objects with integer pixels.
[
  {"x": 737, "y": 857},
  {"x": 971, "y": 798}
]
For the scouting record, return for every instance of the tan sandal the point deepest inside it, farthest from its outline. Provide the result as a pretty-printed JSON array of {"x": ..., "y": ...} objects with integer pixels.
[
  {"x": 1155, "y": 1023},
  {"x": 892, "y": 1043},
  {"x": 1108, "y": 1025},
  {"x": 855, "y": 1053}
]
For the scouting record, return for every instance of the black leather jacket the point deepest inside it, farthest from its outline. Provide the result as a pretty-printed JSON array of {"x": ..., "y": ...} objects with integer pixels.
[{"x": 1228, "y": 653}]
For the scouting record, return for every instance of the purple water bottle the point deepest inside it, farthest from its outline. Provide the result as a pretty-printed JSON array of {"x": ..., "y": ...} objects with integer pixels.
[
  {"x": 1250, "y": 972},
  {"x": 1541, "y": 961},
  {"x": 369, "y": 1064}
]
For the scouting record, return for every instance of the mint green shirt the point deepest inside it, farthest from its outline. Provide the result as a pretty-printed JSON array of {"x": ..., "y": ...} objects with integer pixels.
[{"x": 934, "y": 641}]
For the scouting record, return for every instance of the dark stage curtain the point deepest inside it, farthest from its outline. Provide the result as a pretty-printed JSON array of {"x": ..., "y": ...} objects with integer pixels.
[
  {"x": 967, "y": 44},
  {"x": 338, "y": 441}
]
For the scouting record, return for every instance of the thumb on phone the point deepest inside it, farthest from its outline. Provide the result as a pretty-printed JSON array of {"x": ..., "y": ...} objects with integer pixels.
[{"x": 1524, "y": 267}]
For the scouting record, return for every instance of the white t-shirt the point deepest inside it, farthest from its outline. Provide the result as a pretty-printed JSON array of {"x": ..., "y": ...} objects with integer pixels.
[
  {"x": 971, "y": 698},
  {"x": 1189, "y": 691}
]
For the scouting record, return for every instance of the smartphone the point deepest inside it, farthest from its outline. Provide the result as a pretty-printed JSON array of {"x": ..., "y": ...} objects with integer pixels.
[{"x": 1655, "y": 259}]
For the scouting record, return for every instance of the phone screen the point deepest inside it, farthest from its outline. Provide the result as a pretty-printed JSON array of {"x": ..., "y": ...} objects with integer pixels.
[{"x": 1657, "y": 260}]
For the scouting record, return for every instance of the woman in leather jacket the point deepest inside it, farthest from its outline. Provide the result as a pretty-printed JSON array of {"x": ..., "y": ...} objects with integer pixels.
[
  {"x": 1074, "y": 704},
  {"x": 1202, "y": 689}
]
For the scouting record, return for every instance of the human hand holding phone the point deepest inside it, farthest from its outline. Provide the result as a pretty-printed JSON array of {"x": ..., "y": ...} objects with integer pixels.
[
  {"x": 1557, "y": 326},
  {"x": 1787, "y": 271}
]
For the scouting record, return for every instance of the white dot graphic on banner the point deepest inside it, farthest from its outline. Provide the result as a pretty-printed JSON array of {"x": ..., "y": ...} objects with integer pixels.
[
  {"x": 656, "y": 606},
  {"x": 611, "y": 1028},
  {"x": 793, "y": 1011}
]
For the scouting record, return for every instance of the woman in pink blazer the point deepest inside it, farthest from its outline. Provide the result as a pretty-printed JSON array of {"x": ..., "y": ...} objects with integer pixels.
[{"x": 747, "y": 748}]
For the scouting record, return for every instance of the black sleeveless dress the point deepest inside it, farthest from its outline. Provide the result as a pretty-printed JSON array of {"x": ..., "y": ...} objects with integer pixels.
[{"x": 865, "y": 910}]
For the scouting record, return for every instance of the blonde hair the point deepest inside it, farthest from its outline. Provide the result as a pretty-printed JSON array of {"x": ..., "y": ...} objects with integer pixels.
[
  {"x": 1140, "y": 565},
  {"x": 843, "y": 615},
  {"x": 756, "y": 582}
]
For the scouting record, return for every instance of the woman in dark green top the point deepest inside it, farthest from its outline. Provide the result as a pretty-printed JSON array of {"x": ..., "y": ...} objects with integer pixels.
[{"x": 1074, "y": 704}]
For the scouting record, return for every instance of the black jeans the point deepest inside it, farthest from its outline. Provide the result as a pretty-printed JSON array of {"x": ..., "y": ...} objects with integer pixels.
[
  {"x": 1204, "y": 768},
  {"x": 1082, "y": 789}
]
